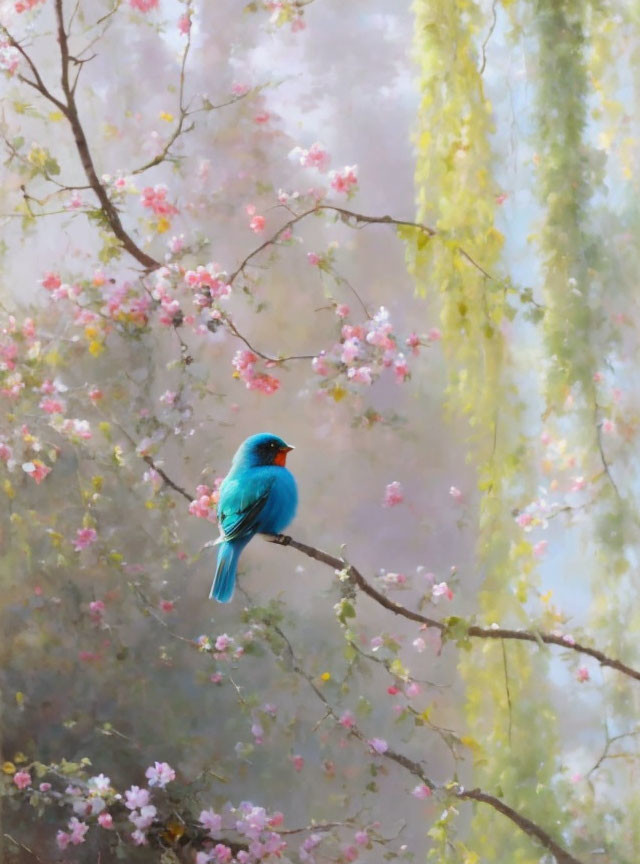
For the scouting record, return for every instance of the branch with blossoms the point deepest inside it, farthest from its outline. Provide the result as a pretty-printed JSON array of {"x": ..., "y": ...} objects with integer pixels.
[
  {"x": 147, "y": 815},
  {"x": 453, "y": 627},
  {"x": 379, "y": 748},
  {"x": 224, "y": 648}
]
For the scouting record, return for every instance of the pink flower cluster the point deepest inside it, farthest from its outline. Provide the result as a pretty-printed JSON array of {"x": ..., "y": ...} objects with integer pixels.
[
  {"x": 36, "y": 469},
  {"x": 244, "y": 362},
  {"x": 26, "y": 5},
  {"x": 209, "y": 283},
  {"x": 85, "y": 537},
  {"x": 144, "y": 5},
  {"x": 258, "y": 222},
  {"x": 393, "y": 494},
  {"x": 252, "y": 823},
  {"x": 345, "y": 181},
  {"x": 155, "y": 197},
  {"x": 124, "y": 303},
  {"x": 53, "y": 284},
  {"x": 9, "y": 58},
  {"x": 364, "y": 351},
  {"x": 204, "y": 505},
  {"x": 316, "y": 156}
]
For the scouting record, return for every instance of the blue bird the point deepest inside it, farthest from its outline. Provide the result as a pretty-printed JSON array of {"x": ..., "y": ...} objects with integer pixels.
[{"x": 258, "y": 496}]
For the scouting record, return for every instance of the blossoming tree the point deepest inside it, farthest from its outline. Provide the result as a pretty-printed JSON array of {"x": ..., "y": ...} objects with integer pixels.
[{"x": 445, "y": 667}]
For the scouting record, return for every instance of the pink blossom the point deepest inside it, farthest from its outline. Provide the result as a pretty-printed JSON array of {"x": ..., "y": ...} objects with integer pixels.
[
  {"x": 22, "y": 779},
  {"x": 378, "y": 745},
  {"x": 608, "y": 427},
  {"x": 262, "y": 118},
  {"x": 257, "y": 224},
  {"x": 168, "y": 397},
  {"x": 413, "y": 341},
  {"x": 84, "y": 538},
  {"x": 413, "y": 690},
  {"x": 347, "y": 720},
  {"x": 51, "y": 281},
  {"x": 45, "y": 787},
  {"x": 143, "y": 5},
  {"x": 28, "y": 328},
  {"x": 96, "y": 609},
  {"x": 442, "y": 590},
  {"x": 313, "y": 259},
  {"x": 344, "y": 181},
  {"x": 77, "y": 831},
  {"x": 598, "y": 377},
  {"x": 211, "y": 820},
  {"x": 160, "y": 774},
  {"x": 143, "y": 819},
  {"x": 105, "y": 820},
  {"x": 201, "y": 507},
  {"x": 524, "y": 520},
  {"x": 9, "y": 58},
  {"x": 95, "y": 394},
  {"x": 342, "y": 310},
  {"x": 434, "y": 335},
  {"x": 361, "y": 838},
  {"x": 139, "y": 838},
  {"x": 155, "y": 198},
  {"x": 99, "y": 783},
  {"x": 184, "y": 24},
  {"x": 319, "y": 365},
  {"x": 350, "y": 853},
  {"x": 167, "y": 605},
  {"x": 36, "y": 469},
  {"x": 136, "y": 797},
  {"x": 421, "y": 792},
  {"x": 298, "y": 762},
  {"x": 540, "y": 548},
  {"x": 239, "y": 89},
  {"x": 222, "y": 853},
  {"x": 52, "y": 406},
  {"x": 315, "y": 157},
  {"x": 393, "y": 494},
  {"x": 222, "y": 642},
  {"x": 62, "y": 839},
  {"x": 360, "y": 375},
  {"x": 419, "y": 644},
  {"x": 583, "y": 674},
  {"x": 401, "y": 368}
]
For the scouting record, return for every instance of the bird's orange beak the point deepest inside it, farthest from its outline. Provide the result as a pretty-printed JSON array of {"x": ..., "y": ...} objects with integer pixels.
[{"x": 281, "y": 455}]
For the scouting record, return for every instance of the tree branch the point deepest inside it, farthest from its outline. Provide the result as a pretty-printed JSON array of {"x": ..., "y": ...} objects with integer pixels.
[
  {"x": 532, "y": 829},
  {"x": 71, "y": 113},
  {"x": 473, "y": 631}
]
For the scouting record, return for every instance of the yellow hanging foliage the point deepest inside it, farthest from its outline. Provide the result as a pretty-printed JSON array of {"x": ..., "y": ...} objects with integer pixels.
[{"x": 456, "y": 195}]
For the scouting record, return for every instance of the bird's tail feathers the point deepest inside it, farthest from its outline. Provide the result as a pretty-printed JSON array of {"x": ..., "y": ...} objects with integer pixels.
[{"x": 224, "y": 581}]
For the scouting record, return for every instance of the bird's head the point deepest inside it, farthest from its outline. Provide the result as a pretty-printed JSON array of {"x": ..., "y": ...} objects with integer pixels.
[{"x": 262, "y": 449}]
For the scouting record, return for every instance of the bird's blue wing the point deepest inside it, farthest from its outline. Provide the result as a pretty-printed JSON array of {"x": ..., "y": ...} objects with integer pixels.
[{"x": 241, "y": 502}]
